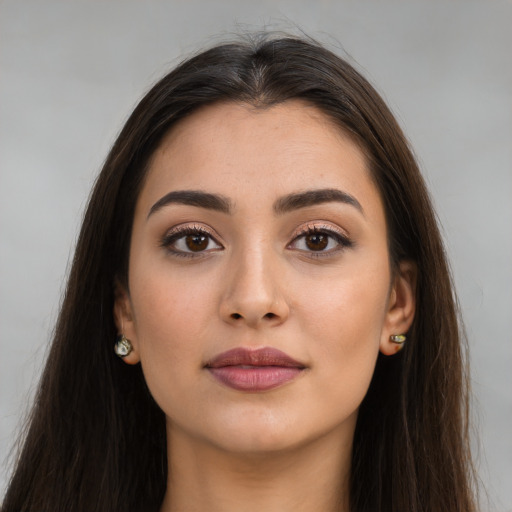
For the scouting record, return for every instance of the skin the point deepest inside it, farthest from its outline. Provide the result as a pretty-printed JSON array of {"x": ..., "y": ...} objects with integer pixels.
[{"x": 258, "y": 283}]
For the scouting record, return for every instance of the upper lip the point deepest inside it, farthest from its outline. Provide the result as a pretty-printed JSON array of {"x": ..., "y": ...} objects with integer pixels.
[{"x": 266, "y": 356}]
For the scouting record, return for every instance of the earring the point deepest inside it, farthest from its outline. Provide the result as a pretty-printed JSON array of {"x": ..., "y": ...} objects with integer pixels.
[
  {"x": 399, "y": 340},
  {"x": 123, "y": 346}
]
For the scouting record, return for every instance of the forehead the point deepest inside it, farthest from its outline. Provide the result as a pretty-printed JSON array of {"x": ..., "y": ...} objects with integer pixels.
[{"x": 236, "y": 149}]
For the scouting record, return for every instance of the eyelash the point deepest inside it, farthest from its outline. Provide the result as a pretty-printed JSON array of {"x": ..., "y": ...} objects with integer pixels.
[
  {"x": 341, "y": 239},
  {"x": 182, "y": 231}
]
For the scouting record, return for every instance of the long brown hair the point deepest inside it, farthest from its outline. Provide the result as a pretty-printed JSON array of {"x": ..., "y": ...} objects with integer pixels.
[{"x": 96, "y": 439}]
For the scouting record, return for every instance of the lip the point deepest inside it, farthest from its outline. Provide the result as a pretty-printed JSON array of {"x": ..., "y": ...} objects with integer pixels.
[{"x": 254, "y": 370}]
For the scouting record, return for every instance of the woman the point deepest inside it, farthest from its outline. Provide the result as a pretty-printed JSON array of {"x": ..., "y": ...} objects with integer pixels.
[{"x": 260, "y": 246}]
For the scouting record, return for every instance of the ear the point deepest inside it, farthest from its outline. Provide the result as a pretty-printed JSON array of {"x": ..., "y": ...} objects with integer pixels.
[
  {"x": 401, "y": 306},
  {"x": 123, "y": 318}
]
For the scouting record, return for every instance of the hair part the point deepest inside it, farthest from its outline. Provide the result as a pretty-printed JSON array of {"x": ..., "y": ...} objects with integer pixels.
[{"x": 96, "y": 438}]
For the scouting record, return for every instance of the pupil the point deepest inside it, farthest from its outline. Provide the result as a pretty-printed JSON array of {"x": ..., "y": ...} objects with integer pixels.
[
  {"x": 317, "y": 242},
  {"x": 196, "y": 242}
]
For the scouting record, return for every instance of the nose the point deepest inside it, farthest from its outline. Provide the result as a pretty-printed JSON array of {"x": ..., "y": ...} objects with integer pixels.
[{"x": 253, "y": 293}]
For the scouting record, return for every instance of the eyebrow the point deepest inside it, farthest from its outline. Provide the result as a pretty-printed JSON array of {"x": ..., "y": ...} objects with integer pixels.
[
  {"x": 299, "y": 200},
  {"x": 282, "y": 205},
  {"x": 198, "y": 198}
]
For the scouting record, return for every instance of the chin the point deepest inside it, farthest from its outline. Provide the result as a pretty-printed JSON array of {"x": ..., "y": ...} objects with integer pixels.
[
  {"x": 259, "y": 444},
  {"x": 260, "y": 434}
]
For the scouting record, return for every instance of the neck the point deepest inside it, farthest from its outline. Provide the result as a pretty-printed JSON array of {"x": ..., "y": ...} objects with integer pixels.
[{"x": 202, "y": 477}]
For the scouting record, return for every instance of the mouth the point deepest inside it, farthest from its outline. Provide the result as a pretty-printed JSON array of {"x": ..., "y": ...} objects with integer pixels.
[{"x": 254, "y": 370}]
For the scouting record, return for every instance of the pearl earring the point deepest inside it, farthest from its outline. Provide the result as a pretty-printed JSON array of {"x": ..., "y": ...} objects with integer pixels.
[{"x": 123, "y": 346}]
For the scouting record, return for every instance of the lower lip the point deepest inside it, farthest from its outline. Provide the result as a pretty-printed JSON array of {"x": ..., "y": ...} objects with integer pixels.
[{"x": 258, "y": 378}]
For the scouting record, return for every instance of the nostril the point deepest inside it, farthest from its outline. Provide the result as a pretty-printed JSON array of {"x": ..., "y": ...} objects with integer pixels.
[{"x": 267, "y": 316}]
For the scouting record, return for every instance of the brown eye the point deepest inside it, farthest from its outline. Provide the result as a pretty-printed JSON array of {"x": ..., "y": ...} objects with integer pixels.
[
  {"x": 189, "y": 241},
  {"x": 196, "y": 242},
  {"x": 321, "y": 242},
  {"x": 317, "y": 241}
]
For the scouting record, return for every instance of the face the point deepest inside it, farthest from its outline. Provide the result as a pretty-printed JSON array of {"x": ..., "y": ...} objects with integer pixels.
[{"x": 260, "y": 289}]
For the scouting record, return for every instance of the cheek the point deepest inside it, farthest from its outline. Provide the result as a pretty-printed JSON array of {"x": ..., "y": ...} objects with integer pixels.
[
  {"x": 171, "y": 316},
  {"x": 169, "y": 328},
  {"x": 345, "y": 321},
  {"x": 349, "y": 308}
]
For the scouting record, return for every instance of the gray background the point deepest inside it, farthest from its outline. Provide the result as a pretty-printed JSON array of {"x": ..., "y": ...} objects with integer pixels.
[{"x": 70, "y": 73}]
